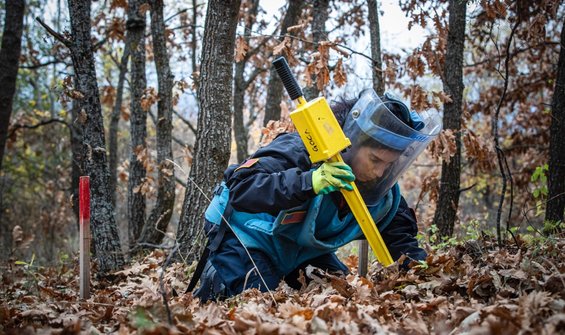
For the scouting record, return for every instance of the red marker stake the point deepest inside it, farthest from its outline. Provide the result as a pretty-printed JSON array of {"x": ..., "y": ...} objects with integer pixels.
[{"x": 84, "y": 238}]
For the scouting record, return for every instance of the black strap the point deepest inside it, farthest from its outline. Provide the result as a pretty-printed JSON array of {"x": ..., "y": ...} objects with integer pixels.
[{"x": 211, "y": 246}]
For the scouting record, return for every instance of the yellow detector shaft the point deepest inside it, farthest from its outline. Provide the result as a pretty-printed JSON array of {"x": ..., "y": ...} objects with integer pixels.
[{"x": 324, "y": 139}]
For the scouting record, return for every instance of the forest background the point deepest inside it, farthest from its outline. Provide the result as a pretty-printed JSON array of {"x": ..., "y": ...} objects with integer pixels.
[{"x": 153, "y": 99}]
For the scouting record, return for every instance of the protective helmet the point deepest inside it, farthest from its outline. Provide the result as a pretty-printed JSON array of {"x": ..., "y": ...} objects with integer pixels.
[{"x": 388, "y": 124}]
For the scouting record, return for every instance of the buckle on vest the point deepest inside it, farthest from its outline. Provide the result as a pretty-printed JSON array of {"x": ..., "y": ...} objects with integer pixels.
[{"x": 218, "y": 189}]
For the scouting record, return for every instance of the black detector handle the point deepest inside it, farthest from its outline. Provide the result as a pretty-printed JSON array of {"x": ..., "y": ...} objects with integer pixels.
[{"x": 287, "y": 78}]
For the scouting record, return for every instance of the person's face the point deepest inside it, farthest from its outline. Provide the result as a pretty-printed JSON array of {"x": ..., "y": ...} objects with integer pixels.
[{"x": 370, "y": 163}]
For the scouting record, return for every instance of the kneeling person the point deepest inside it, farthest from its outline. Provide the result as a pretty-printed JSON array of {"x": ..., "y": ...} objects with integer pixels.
[{"x": 287, "y": 213}]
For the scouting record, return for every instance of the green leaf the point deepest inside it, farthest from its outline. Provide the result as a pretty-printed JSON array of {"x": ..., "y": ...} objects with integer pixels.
[
  {"x": 544, "y": 190},
  {"x": 141, "y": 320},
  {"x": 543, "y": 179},
  {"x": 20, "y": 263}
]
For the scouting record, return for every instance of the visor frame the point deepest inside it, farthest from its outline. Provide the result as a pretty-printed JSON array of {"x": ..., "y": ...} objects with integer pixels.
[{"x": 360, "y": 126}]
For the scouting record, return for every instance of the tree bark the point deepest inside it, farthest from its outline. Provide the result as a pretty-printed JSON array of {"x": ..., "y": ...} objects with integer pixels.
[
  {"x": 77, "y": 154},
  {"x": 115, "y": 120},
  {"x": 556, "y": 177},
  {"x": 138, "y": 121},
  {"x": 375, "y": 35},
  {"x": 320, "y": 13},
  {"x": 240, "y": 86},
  {"x": 9, "y": 63},
  {"x": 156, "y": 225},
  {"x": 212, "y": 148},
  {"x": 378, "y": 86},
  {"x": 275, "y": 86},
  {"x": 104, "y": 228},
  {"x": 194, "y": 37},
  {"x": 448, "y": 201}
]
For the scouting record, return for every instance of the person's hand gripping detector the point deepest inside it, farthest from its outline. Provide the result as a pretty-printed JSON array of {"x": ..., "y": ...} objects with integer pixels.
[{"x": 324, "y": 139}]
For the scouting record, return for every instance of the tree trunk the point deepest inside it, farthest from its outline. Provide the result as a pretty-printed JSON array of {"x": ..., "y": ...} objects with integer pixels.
[
  {"x": 9, "y": 63},
  {"x": 448, "y": 201},
  {"x": 77, "y": 154},
  {"x": 240, "y": 86},
  {"x": 239, "y": 130},
  {"x": 156, "y": 225},
  {"x": 375, "y": 35},
  {"x": 104, "y": 229},
  {"x": 114, "y": 122},
  {"x": 378, "y": 86},
  {"x": 194, "y": 37},
  {"x": 320, "y": 13},
  {"x": 556, "y": 177},
  {"x": 138, "y": 121},
  {"x": 275, "y": 86},
  {"x": 212, "y": 148}
]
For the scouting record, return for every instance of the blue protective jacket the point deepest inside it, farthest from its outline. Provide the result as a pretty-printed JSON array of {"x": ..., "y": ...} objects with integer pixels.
[{"x": 276, "y": 211}]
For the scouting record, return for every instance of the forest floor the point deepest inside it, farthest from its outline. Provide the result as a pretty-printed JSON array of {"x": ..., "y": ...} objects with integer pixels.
[{"x": 473, "y": 288}]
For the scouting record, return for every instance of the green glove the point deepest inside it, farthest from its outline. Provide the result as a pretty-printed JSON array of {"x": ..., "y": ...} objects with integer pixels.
[{"x": 330, "y": 177}]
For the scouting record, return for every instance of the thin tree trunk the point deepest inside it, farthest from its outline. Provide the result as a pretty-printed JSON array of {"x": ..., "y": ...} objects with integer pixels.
[
  {"x": 320, "y": 13},
  {"x": 556, "y": 180},
  {"x": 9, "y": 63},
  {"x": 378, "y": 86},
  {"x": 239, "y": 129},
  {"x": 104, "y": 228},
  {"x": 193, "y": 44},
  {"x": 77, "y": 153},
  {"x": 114, "y": 121},
  {"x": 448, "y": 202},
  {"x": 156, "y": 225},
  {"x": 275, "y": 86},
  {"x": 212, "y": 148},
  {"x": 375, "y": 35},
  {"x": 138, "y": 121}
]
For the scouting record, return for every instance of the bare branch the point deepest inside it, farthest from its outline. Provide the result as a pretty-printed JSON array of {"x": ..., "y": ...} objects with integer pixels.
[
  {"x": 255, "y": 50},
  {"x": 100, "y": 43},
  {"x": 253, "y": 75},
  {"x": 177, "y": 140},
  {"x": 467, "y": 188},
  {"x": 53, "y": 33},
  {"x": 34, "y": 126},
  {"x": 499, "y": 152},
  {"x": 185, "y": 121},
  {"x": 316, "y": 44},
  {"x": 37, "y": 66},
  {"x": 176, "y": 14},
  {"x": 515, "y": 53}
]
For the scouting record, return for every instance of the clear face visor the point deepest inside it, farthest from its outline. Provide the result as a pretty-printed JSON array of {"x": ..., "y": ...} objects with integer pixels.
[{"x": 372, "y": 124}]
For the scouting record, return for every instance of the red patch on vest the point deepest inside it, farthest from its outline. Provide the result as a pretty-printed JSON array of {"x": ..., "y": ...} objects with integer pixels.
[
  {"x": 294, "y": 217},
  {"x": 248, "y": 163}
]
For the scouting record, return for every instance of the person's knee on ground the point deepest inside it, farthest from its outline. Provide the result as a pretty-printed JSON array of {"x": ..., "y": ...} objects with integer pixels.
[{"x": 328, "y": 262}]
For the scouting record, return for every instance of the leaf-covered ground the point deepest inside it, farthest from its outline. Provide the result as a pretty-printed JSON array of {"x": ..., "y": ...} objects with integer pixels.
[{"x": 470, "y": 289}]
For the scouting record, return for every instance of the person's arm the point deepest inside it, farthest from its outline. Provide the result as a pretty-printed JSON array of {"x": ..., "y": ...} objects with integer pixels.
[
  {"x": 279, "y": 179},
  {"x": 400, "y": 235}
]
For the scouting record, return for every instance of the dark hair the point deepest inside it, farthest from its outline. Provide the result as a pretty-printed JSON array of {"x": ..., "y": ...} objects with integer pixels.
[{"x": 341, "y": 107}]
